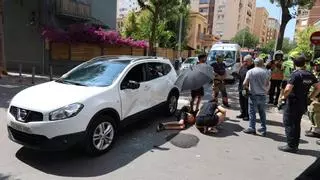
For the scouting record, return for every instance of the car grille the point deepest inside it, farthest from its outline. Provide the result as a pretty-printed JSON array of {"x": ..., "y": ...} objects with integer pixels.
[
  {"x": 30, "y": 139},
  {"x": 26, "y": 116}
]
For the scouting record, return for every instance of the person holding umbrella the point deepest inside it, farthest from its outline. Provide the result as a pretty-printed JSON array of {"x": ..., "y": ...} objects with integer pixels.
[{"x": 197, "y": 94}]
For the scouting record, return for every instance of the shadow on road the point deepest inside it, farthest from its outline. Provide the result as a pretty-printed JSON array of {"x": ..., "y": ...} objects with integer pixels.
[
  {"x": 227, "y": 129},
  {"x": 274, "y": 123},
  {"x": 281, "y": 138},
  {"x": 309, "y": 152},
  {"x": 7, "y": 177},
  {"x": 133, "y": 141}
]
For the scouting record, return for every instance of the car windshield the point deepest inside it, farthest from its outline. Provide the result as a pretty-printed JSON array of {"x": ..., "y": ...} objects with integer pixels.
[
  {"x": 100, "y": 72},
  {"x": 229, "y": 56},
  {"x": 191, "y": 61}
]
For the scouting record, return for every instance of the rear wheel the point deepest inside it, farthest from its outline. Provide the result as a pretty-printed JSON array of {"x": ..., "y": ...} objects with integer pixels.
[
  {"x": 172, "y": 104},
  {"x": 100, "y": 135}
]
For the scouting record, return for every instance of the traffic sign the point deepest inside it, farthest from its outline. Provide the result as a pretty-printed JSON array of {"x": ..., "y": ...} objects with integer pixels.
[{"x": 315, "y": 38}]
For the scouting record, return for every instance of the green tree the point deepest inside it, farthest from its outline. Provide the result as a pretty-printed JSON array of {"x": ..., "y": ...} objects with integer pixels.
[
  {"x": 160, "y": 11},
  {"x": 289, "y": 11},
  {"x": 288, "y": 45},
  {"x": 268, "y": 47},
  {"x": 246, "y": 39},
  {"x": 303, "y": 42},
  {"x": 137, "y": 26},
  {"x": 130, "y": 25}
]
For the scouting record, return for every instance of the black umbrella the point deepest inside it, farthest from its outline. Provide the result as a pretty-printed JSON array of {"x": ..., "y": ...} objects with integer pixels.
[{"x": 195, "y": 77}]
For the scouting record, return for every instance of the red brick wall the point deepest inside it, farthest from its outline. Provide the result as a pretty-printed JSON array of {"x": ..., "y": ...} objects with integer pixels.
[{"x": 314, "y": 13}]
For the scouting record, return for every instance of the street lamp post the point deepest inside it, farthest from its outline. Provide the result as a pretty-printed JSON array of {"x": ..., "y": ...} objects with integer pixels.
[{"x": 180, "y": 32}]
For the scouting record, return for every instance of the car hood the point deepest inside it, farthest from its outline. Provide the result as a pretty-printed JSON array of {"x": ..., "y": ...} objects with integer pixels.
[{"x": 53, "y": 95}]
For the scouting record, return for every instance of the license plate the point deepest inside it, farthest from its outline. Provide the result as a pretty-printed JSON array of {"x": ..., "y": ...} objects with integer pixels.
[{"x": 19, "y": 127}]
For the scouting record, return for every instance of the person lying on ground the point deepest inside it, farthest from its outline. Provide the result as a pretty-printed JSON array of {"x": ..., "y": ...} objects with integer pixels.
[
  {"x": 210, "y": 116},
  {"x": 185, "y": 117}
]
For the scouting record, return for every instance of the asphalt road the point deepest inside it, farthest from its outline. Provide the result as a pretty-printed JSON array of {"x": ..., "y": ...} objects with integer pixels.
[{"x": 141, "y": 153}]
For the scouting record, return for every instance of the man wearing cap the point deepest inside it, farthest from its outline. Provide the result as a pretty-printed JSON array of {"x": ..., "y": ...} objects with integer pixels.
[
  {"x": 295, "y": 98},
  {"x": 257, "y": 82},
  {"x": 243, "y": 97}
]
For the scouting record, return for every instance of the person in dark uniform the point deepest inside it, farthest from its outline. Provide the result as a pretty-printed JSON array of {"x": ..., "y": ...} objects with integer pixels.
[
  {"x": 295, "y": 98},
  {"x": 243, "y": 98}
]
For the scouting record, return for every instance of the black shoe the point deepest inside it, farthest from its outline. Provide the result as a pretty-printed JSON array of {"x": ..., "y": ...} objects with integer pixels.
[
  {"x": 287, "y": 148},
  {"x": 240, "y": 116},
  {"x": 246, "y": 118},
  {"x": 160, "y": 127},
  {"x": 312, "y": 134},
  {"x": 262, "y": 132},
  {"x": 318, "y": 142},
  {"x": 270, "y": 102},
  {"x": 249, "y": 131}
]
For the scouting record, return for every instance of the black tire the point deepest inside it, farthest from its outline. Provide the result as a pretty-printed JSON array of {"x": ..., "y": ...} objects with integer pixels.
[
  {"x": 171, "y": 104},
  {"x": 92, "y": 129}
]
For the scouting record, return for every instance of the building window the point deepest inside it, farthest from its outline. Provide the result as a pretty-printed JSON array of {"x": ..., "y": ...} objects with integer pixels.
[
  {"x": 203, "y": 10},
  {"x": 204, "y": 1},
  {"x": 304, "y": 22}
]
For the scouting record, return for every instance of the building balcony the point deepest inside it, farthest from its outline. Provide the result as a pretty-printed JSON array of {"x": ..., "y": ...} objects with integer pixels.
[{"x": 76, "y": 9}]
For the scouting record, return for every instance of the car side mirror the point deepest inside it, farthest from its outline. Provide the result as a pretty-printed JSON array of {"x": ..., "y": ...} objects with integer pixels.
[{"x": 130, "y": 85}]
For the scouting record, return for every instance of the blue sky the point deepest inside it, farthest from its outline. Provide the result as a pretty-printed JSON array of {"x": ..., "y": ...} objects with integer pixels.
[{"x": 275, "y": 12}]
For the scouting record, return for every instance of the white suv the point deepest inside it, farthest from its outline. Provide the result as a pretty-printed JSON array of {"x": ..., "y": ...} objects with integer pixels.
[{"x": 91, "y": 102}]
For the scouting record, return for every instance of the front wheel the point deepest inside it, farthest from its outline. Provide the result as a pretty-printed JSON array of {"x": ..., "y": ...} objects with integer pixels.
[
  {"x": 172, "y": 104},
  {"x": 100, "y": 135}
]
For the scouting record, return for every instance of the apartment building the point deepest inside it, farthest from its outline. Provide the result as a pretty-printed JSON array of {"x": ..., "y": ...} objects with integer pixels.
[
  {"x": 233, "y": 16},
  {"x": 314, "y": 13},
  {"x": 205, "y": 8},
  {"x": 198, "y": 36},
  {"x": 302, "y": 19},
  {"x": 260, "y": 24},
  {"x": 307, "y": 17},
  {"x": 125, "y": 6},
  {"x": 273, "y": 27}
]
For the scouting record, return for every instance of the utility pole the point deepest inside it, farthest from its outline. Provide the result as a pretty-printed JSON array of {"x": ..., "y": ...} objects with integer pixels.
[
  {"x": 2, "y": 57},
  {"x": 180, "y": 32}
]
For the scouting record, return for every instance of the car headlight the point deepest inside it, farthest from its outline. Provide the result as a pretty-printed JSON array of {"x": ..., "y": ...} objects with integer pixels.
[
  {"x": 230, "y": 68},
  {"x": 65, "y": 112}
]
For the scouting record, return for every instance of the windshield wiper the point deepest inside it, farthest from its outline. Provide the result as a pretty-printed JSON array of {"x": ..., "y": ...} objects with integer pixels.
[{"x": 69, "y": 82}]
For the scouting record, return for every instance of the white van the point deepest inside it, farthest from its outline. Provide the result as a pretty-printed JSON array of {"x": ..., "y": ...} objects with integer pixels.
[{"x": 231, "y": 54}]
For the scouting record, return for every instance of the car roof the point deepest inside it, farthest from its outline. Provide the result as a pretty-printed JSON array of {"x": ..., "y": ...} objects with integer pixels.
[{"x": 130, "y": 58}]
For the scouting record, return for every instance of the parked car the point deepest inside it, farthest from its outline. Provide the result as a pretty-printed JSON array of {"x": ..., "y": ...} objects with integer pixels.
[
  {"x": 90, "y": 103},
  {"x": 189, "y": 62}
]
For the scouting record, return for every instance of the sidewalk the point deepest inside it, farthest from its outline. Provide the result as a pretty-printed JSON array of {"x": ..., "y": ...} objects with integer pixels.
[{"x": 25, "y": 80}]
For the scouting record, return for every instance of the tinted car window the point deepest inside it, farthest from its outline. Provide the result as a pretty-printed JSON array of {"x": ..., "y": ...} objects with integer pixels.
[
  {"x": 101, "y": 72},
  {"x": 154, "y": 70},
  {"x": 166, "y": 69},
  {"x": 135, "y": 74}
]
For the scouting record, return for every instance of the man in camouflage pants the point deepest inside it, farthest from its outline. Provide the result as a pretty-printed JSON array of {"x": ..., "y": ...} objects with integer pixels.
[{"x": 218, "y": 83}]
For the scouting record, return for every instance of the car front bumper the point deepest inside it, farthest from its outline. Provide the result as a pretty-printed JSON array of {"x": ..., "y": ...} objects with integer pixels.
[{"x": 41, "y": 142}]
